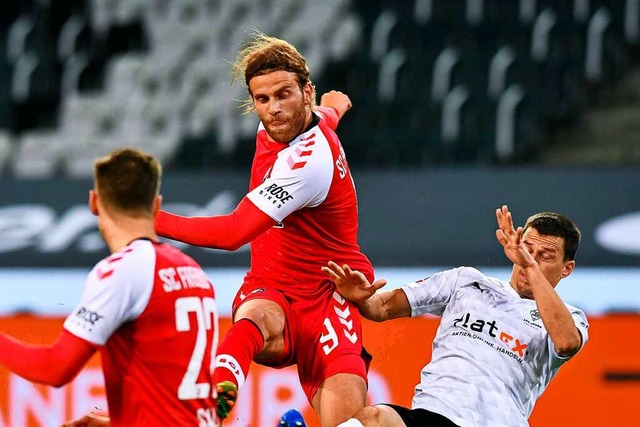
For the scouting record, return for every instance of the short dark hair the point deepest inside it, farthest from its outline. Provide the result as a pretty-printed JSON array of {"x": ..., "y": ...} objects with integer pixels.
[
  {"x": 555, "y": 224},
  {"x": 128, "y": 180}
]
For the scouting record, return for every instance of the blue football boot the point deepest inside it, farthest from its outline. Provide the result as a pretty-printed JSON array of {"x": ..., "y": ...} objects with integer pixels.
[{"x": 292, "y": 418}]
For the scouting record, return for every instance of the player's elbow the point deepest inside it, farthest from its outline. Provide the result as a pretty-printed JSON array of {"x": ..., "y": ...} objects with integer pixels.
[
  {"x": 58, "y": 383},
  {"x": 569, "y": 345},
  {"x": 53, "y": 380},
  {"x": 227, "y": 242},
  {"x": 235, "y": 238},
  {"x": 232, "y": 245},
  {"x": 374, "y": 315},
  {"x": 62, "y": 378},
  {"x": 50, "y": 374}
]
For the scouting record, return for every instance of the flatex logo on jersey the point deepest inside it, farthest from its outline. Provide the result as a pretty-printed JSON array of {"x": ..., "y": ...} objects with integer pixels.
[
  {"x": 512, "y": 346},
  {"x": 276, "y": 195}
]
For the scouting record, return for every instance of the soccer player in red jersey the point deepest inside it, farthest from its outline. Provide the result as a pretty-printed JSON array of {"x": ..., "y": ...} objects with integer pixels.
[
  {"x": 143, "y": 299},
  {"x": 300, "y": 212}
]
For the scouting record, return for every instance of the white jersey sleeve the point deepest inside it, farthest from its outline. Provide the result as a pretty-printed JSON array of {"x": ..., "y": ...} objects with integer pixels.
[
  {"x": 117, "y": 290},
  {"x": 301, "y": 177},
  {"x": 580, "y": 320},
  {"x": 432, "y": 294}
]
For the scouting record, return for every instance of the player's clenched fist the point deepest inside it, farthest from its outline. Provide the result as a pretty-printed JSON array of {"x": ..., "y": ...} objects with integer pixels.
[{"x": 337, "y": 100}]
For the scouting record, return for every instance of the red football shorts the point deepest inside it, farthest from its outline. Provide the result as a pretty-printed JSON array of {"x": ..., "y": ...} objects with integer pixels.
[{"x": 322, "y": 336}]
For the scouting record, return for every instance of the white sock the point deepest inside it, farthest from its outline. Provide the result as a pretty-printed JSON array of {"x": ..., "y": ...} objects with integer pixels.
[
  {"x": 229, "y": 362},
  {"x": 351, "y": 422}
]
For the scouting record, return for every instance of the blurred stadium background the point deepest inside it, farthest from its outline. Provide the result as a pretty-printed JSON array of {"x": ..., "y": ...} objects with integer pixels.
[{"x": 459, "y": 106}]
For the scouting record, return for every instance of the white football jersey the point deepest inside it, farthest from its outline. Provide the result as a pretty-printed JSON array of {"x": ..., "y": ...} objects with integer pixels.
[{"x": 492, "y": 356}]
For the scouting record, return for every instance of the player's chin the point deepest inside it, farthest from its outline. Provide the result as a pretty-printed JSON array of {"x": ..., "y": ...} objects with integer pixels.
[
  {"x": 280, "y": 134},
  {"x": 525, "y": 290},
  {"x": 519, "y": 283}
]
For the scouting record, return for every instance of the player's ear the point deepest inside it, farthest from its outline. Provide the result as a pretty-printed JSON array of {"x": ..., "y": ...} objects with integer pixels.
[
  {"x": 157, "y": 204},
  {"x": 568, "y": 268},
  {"x": 309, "y": 93},
  {"x": 93, "y": 202}
]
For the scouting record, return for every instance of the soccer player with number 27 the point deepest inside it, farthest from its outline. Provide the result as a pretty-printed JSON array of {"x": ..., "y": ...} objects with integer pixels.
[{"x": 148, "y": 308}]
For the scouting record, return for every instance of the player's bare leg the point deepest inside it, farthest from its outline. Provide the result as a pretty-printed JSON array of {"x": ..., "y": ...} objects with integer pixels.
[
  {"x": 270, "y": 318},
  {"x": 339, "y": 398},
  {"x": 379, "y": 416},
  {"x": 256, "y": 334}
]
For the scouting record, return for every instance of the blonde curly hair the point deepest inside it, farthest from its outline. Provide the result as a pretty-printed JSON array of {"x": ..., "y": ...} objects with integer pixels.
[{"x": 264, "y": 54}]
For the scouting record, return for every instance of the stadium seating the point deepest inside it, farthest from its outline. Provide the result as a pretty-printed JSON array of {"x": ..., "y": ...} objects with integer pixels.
[
  {"x": 6, "y": 147},
  {"x": 432, "y": 81},
  {"x": 495, "y": 73}
]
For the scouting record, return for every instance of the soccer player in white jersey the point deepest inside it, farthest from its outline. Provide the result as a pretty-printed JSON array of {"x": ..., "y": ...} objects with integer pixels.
[
  {"x": 147, "y": 308},
  {"x": 498, "y": 345}
]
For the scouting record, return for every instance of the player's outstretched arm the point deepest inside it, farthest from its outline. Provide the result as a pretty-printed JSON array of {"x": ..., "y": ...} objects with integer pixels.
[
  {"x": 374, "y": 305},
  {"x": 556, "y": 317},
  {"x": 228, "y": 232},
  {"x": 55, "y": 364}
]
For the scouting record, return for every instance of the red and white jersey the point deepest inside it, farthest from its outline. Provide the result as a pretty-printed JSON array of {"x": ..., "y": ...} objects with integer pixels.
[
  {"x": 152, "y": 310},
  {"x": 306, "y": 186}
]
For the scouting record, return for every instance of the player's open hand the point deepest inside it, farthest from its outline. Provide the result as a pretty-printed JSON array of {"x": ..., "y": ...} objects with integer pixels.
[
  {"x": 89, "y": 420},
  {"x": 352, "y": 284},
  {"x": 337, "y": 100},
  {"x": 511, "y": 239}
]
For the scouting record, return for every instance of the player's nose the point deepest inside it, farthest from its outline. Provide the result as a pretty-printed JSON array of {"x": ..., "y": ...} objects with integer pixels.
[{"x": 274, "y": 107}]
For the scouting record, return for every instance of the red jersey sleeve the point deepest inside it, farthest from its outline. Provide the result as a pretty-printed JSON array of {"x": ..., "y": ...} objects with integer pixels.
[
  {"x": 55, "y": 364},
  {"x": 220, "y": 232},
  {"x": 330, "y": 116}
]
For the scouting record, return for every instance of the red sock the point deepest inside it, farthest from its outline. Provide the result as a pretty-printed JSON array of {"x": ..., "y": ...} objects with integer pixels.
[{"x": 236, "y": 351}]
